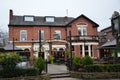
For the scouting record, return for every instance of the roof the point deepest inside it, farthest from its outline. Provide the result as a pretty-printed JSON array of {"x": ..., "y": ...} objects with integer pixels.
[
  {"x": 39, "y": 21},
  {"x": 10, "y": 47},
  {"x": 94, "y": 24},
  {"x": 108, "y": 44},
  {"x": 106, "y": 28}
]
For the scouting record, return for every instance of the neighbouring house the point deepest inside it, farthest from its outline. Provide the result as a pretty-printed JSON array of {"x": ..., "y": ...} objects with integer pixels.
[
  {"x": 107, "y": 43},
  {"x": 49, "y": 35},
  {"x": 3, "y": 40}
]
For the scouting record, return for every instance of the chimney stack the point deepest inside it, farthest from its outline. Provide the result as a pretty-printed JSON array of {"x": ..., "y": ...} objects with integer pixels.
[
  {"x": 10, "y": 14},
  {"x": 65, "y": 19}
]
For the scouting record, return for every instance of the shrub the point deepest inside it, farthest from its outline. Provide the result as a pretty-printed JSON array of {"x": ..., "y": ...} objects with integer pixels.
[
  {"x": 77, "y": 61},
  {"x": 9, "y": 60},
  {"x": 87, "y": 60},
  {"x": 40, "y": 64},
  {"x": 102, "y": 68},
  {"x": 113, "y": 67},
  {"x": 19, "y": 72},
  {"x": 93, "y": 68}
]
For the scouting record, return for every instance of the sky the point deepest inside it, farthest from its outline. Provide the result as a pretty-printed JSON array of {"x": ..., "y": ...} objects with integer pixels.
[{"x": 100, "y": 11}]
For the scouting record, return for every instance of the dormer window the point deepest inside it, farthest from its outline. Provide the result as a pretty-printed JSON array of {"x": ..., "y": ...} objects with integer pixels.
[
  {"x": 28, "y": 18},
  {"x": 49, "y": 19}
]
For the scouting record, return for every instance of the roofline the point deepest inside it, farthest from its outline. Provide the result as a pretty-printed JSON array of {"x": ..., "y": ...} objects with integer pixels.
[
  {"x": 38, "y": 25},
  {"x": 84, "y": 17},
  {"x": 106, "y": 28}
]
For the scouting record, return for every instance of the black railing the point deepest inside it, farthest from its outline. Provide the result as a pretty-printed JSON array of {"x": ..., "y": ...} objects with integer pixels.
[{"x": 89, "y": 38}]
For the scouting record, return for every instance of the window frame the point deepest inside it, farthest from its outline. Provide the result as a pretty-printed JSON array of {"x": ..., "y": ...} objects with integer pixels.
[
  {"x": 81, "y": 28},
  {"x": 21, "y": 32},
  {"x": 29, "y": 18},
  {"x": 50, "y": 19},
  {"x": 42, "y": 32},
  {"x": 58, "y": 32}
]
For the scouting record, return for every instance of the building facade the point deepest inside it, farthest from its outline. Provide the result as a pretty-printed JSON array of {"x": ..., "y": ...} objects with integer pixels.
[
  {"x": 107, "y": 43},
  {"x": 50, "y": 34}
]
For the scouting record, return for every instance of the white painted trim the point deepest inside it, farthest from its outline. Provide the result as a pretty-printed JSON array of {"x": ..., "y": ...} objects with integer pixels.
[
  {"x": 23, "y": 47},
  {"x": 87, "y": 43}
]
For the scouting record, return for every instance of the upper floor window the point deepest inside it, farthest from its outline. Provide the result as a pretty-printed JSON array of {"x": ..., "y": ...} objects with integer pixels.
[
  {"x": 42, "y": 34},
  {"x": 57, "y": 34},
  {"x": 82, "y": 30},
  {"x": 50, "y": 19},
  {"x": 23, "y": 35},
  {"x": 28, "y": 18}
]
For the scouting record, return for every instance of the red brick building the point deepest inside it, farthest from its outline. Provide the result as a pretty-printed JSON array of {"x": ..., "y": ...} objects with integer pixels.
[{"x": 54, "y": 34}]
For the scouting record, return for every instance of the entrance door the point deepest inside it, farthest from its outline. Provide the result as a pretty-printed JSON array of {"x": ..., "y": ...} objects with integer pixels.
[{"x": 59, "y": 57}]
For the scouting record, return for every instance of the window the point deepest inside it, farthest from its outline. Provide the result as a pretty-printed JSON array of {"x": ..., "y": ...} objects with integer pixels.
[
  {"x": 42, "y": 34},
  {"x": 82, "y": 30},
  {"x": 28, "y": 18},
  {"x": 91, "y": 50},
  {"x": 49, "y": 19},
  {"x": 57, "y": 34},
  {"x": 23, "y": 35},
  {"x": 86, "y": 50}
]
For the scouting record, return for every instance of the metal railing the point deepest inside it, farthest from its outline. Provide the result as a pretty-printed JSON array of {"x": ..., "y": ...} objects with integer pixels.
[{"x": 92, "y": 38}]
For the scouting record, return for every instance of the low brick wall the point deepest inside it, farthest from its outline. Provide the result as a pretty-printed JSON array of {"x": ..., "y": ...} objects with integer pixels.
[{"x": 95, "y": 75}]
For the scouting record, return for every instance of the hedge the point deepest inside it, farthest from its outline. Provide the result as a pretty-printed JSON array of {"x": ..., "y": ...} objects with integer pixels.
[
  {"x": 102, "y": 68},
  {"x": 19, "y": 72}
]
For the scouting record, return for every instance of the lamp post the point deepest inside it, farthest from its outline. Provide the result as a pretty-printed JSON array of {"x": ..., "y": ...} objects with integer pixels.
[
  {"x": 115, "y": 22},
  {"x": 13, "y": 45},
  {"x": 70, "y": 67}
]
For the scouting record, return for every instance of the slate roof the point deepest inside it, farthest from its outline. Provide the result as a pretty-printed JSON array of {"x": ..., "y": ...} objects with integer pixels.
[
  {"x": 39, "y": 21},
  {"x": 10, "y": 47},
  {"x": 108, "y": 44}
]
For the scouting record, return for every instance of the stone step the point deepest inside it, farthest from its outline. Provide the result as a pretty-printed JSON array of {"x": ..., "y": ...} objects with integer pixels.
[{"x": 59, "y": 75}]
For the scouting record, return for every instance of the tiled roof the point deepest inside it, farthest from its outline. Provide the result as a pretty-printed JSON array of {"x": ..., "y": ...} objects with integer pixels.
[
  {"x": 108, "y": 44},
  {"x": 10, "y": 47},
  {"x": 39, "y": 21}
]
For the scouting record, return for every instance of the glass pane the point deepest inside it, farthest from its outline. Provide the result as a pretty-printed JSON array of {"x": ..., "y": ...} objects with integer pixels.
[
  {"x": 23, "y": 35},
  {"x": 29, "y": 18},
  {"x": 42, "y": 35},
  {"x": 57, "y": 34},
  {"x": 49, "y": 19}
]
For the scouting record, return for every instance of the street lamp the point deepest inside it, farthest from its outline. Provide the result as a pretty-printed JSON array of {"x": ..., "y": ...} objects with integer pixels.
[{"x": 115, "y": 22}]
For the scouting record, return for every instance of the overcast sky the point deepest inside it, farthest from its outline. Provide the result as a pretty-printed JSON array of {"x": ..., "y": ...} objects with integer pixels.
[{"x": 99, "y": 11}]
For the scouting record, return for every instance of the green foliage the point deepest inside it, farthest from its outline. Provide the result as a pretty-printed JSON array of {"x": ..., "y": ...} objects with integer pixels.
[
  {"x": 9, "y": 60},
  {"x": 112, "y": 67},
  {"x": 77, "y": 61},
  {"x": 19, "y": 72},
  {"x": 102, "y": 68},
  {"x": 87, "y": 60},
  {"x": 40, "y": 64},
  {"x": 93, "y": 68},
  {"x": 51, "y": 59},
  {"x": 68, "y": 53}
]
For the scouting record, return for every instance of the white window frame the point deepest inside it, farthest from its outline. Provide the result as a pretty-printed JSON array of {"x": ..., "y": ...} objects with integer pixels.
[
  {"x": 28, "y": 18},
  {"x": 21, "y": 32},
  {"x": 49, "y": 19},
  {"x": 81, "y": 28},
  {"x": 42, "y": 31},
  {"x": 58, "y": 32}
]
